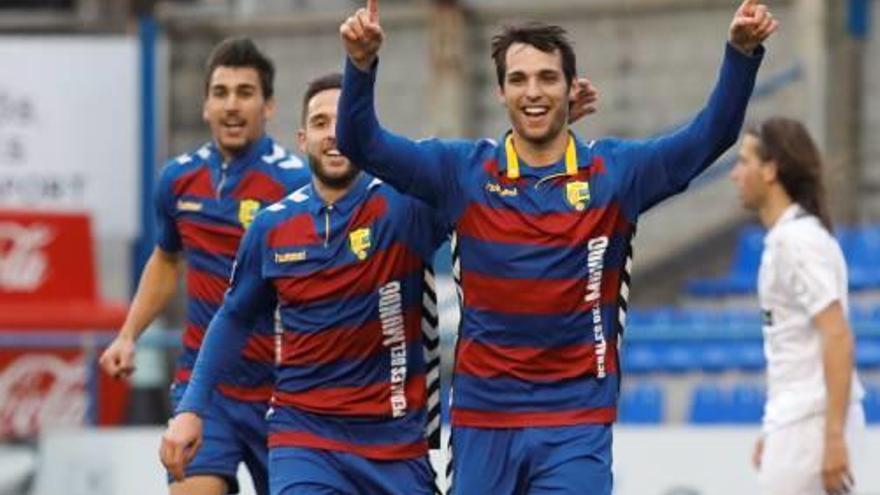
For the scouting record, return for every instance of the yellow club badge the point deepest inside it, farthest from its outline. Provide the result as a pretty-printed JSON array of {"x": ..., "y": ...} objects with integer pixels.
[
  {"x": 359, "y": 242},
  {"x": 577, "y": 194},
  {"x": 247, "y": 210}
]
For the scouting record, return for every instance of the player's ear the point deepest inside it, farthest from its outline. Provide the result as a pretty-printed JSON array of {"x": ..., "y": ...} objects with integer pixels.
[
  {"x": 770, "y": 171},
  {"x": 499, "y": 93},
  {"x": 205, "y": 110},
  {"x": 269, "y": 109},
  {"x": 301, "y": 140}
]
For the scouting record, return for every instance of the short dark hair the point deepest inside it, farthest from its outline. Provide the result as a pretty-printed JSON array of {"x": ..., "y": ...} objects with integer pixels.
[
  {"x": 242, "y": 52},
  {"x": 548, "y": 38},
  {"x": 332, "y": 80}
]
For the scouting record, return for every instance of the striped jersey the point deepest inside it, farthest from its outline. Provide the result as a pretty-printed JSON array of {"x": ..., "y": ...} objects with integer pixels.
[
  {"x": 204, "y": 205},
  {"x": 349, "y": 281},
  {"x": 542, "y": 253}
]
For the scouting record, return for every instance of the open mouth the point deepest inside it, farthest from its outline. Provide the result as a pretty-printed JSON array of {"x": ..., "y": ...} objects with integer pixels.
[
  {"x": 535, "y": 113},
  {"x": 333, "y": 153},
  {"x": 233, "y": 126}
]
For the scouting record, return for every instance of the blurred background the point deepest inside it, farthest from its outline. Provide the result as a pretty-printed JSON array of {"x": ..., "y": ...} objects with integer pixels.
[{"x": 96, "y": 94}]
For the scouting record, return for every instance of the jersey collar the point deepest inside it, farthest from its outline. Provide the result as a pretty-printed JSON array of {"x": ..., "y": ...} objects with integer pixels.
[
  {"x": 510, "y": 165},
  {"x": 347, "y": 202}
]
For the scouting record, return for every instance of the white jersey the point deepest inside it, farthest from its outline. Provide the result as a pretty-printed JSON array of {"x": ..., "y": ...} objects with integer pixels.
[{"x": 802, "y": 272}]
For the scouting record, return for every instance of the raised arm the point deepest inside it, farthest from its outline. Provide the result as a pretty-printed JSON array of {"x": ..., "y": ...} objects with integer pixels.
[
  {"x": 665, "y": 166},
  {"x": 249, "y": 296},
  {"x": 426, "y": 169}
]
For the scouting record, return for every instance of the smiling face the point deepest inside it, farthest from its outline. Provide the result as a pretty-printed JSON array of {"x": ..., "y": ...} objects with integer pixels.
[
  {"x": 236, "y": 109},
  {"x": 317, "y": 139},
  {"x": 536, "y": 93}
]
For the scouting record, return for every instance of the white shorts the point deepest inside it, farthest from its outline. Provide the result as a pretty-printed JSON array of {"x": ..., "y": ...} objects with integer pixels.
[{"x": 792, "y": 460}]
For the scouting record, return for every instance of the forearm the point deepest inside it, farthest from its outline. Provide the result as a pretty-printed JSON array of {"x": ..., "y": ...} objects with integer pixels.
[
  {"x": 156, "y": 287},
  {"x": 358, "y": 132},
  {"x": 224, "y": 341},
  {"x": 837, "y": 361},
  {"x": 717, "y": 126}
]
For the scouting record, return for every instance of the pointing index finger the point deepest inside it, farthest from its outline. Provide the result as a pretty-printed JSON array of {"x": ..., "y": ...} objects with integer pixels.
[
  {"x": 373, "y": 9},
  {"x": 748, "y": 6}
]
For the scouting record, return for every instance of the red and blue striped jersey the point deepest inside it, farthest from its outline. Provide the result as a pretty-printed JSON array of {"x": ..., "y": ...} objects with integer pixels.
[
  {"x": 204, "y": 205},
  {"x": 349, "y": 281},
  {"x": 543, "y": 254}
]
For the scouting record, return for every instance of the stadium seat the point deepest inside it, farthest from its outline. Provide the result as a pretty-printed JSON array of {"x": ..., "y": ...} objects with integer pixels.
[
  {"x": 872, "y": 403},
  {"x": 742, "y": 276},
  {"x": 749, "y": 355},
  {"x": 867, "y": 353},
  {"x": 747, "y": 403},
  {"x": 642, "y": 404},
  {"x": 679, "y": 357},
  {"x": 715, "y": 357},
  {"x": 709, "y": 405},
  {"x": 641, "y": 357},
  {"x": 862, "y": 250}
]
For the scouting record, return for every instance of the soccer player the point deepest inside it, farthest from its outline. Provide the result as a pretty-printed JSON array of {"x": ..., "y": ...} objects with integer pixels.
[
  {"x": 543, "y": 223},
  {"x": 205, "y": 200},
  {"x": 813, "y": 415},
  {"x": 345, "y": 260}
]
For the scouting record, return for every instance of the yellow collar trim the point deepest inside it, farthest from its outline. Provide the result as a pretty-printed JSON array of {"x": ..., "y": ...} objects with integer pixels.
[{"x": 571, "y": 164}]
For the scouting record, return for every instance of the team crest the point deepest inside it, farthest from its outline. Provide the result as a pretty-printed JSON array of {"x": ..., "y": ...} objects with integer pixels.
[
  {"x": 247, "y": 210},
  {"x": 359, "y": 242},
  {"x": 577, "y": 194}
]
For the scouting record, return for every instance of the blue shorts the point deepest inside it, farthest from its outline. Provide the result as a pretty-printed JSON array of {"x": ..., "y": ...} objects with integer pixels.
[
  {"x": 233, "y": 432},
  {"x": 566, "y": 460},
  {"x": 308, "y": 471}
]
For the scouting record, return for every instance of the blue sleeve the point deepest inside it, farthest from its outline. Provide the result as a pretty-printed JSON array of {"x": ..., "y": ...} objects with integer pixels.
[
  {"x": 167, "y": 236},
  {"x": 249, "y": 296},
  {"x": 427, "y": 228},
  {"x": 664, "y": 166},
  {"x": 430, "y": 170}
]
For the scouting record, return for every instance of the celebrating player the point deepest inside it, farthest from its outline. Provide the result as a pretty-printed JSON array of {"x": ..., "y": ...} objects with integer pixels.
[
  {"x": 345, "y": 260},
  {"x": 205, "y": 201},
  {"x": 813, "y": 414},
  {"x": 543, "y": 223}
]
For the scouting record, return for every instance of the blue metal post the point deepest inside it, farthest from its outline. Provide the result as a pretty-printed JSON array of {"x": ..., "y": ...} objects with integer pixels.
[
  {"x": 859, "y": 18},
  {"x": 148, "y": 34}
]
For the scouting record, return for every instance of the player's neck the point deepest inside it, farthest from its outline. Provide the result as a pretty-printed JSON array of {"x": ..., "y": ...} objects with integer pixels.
[
  {"x": 541, "y": 154},
  {"x": 773, "y": 208},
  {"x": 330, "y": 193}
]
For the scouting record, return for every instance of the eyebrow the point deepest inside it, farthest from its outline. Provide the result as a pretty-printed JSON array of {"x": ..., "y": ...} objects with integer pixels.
[{"x": 237, "y": 86}]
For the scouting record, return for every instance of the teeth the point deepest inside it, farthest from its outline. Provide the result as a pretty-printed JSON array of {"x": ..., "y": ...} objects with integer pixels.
[
  {"x": 333, "y": 153},
  {"x": 535, "y": 111}
]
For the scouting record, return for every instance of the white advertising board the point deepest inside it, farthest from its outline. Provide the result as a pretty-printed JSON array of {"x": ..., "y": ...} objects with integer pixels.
[
  {"x": 647, "y": 461},
  {"x": 69, "y": 120}
]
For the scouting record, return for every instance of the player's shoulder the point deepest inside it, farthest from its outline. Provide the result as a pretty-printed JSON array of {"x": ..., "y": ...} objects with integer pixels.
[
  {"x": 182, "y": 165},
  {"x": 281, "y": 160},
  {"x": 803, "y": 236},
  {"x": 187, "y": 161},
  {"x": 295, "y": 203}
]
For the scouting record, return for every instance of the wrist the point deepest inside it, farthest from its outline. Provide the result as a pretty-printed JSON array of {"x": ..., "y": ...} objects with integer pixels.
[
  {"x": 363, "y": 64},
  {"x": 746, "y": 49},
  {"x": 128, "y": 335}
]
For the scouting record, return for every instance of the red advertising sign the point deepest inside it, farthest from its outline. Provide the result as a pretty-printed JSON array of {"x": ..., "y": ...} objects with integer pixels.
[{"x": 47, "y": 285}]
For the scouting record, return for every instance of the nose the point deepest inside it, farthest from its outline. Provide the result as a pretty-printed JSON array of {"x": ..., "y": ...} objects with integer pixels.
[
  {"x": 533, "y": 89},
  {"x": 231, "y": 102}
]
